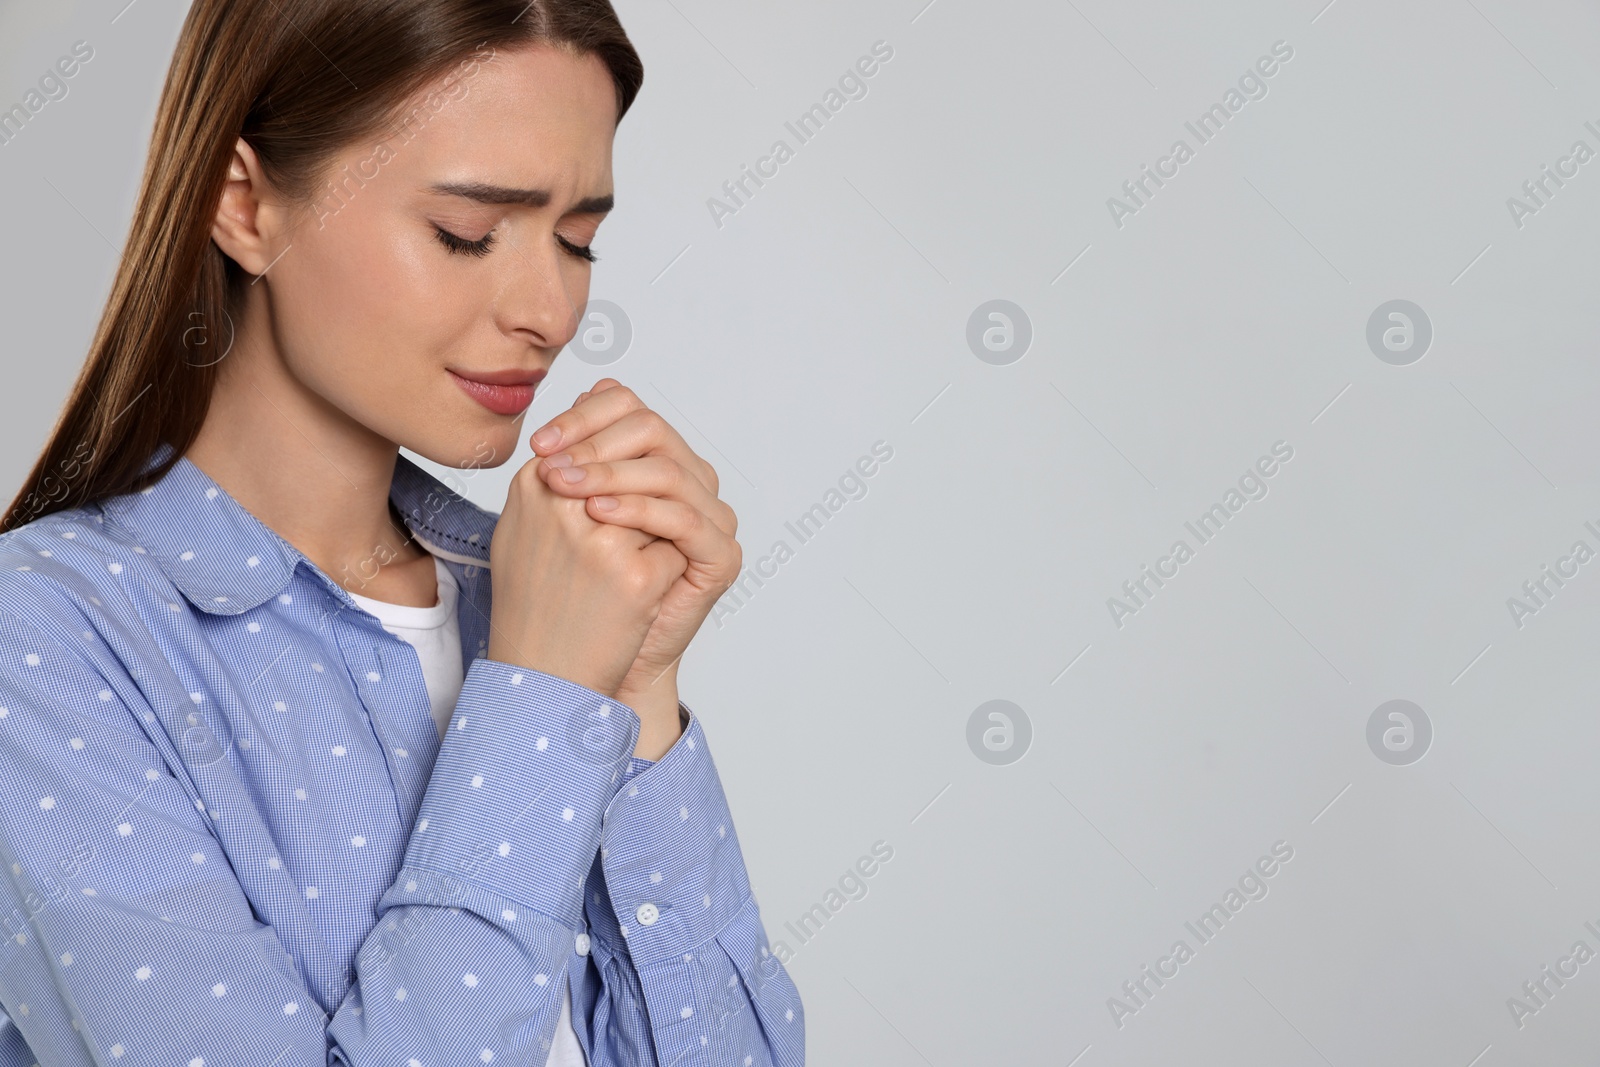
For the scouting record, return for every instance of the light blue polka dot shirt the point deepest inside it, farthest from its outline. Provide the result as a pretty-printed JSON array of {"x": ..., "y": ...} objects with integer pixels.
[{"x": 231, "y": 833}]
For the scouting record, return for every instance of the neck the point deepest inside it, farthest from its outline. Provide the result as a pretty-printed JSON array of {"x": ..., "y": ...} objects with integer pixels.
[{"x": 308, "y": 471}]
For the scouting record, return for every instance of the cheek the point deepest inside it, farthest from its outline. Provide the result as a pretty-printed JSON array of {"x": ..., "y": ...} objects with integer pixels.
[{"x": 366, "y": 299}]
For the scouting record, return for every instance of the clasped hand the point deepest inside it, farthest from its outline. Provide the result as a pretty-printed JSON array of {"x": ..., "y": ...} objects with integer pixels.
[{"x": 637, "y": 471}]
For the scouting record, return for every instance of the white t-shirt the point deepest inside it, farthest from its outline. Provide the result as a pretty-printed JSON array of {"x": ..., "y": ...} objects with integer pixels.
[{"x": 435, "y": 633}]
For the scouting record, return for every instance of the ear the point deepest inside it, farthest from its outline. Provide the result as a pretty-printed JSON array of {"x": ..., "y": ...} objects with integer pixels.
[{"x": 249, "y": 224}]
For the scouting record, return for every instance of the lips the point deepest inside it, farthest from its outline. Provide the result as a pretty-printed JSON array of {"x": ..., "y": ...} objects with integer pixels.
[{"x": 506, "y": 392}]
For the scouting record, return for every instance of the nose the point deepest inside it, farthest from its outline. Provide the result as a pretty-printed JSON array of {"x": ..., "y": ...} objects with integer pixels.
[{"x": 539, "y": 299}]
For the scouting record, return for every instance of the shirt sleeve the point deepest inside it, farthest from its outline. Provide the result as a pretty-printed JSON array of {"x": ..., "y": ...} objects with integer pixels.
[
  {"x": 475, "y": 935},
  {"x": 128, "y": 939},
  {"x": 635, "y": 766},
  {"x": 676, "y": 927}
]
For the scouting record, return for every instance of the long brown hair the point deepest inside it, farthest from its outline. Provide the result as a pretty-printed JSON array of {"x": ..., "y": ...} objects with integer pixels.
[{"x": 299, "y": 80}]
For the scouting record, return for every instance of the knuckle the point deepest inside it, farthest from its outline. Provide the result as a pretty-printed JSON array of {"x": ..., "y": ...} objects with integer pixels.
[
  {"x": 571, "y": 512},
  {"x": 611, "y": 540},
  {"x": 625, "y": 394},
  {"x": 527, "y": 479},
  {"x": 637, "y": 582},
  {"x": 639, "y": 423}
]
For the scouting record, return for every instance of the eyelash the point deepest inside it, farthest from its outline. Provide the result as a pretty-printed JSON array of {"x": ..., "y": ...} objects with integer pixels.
[
  {"x": 480, "y": 247},
  {"x": 462, "y": 246}
]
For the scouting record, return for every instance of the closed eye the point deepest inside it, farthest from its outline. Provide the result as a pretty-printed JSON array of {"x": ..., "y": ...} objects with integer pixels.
[
  {"x": 480, "y": 247},
  {"x": 584, "y": 252},
  {"x": 462, "y": 246}
]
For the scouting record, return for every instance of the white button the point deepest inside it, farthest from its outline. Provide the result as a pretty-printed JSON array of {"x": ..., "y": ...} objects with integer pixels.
[
  {"x": 583, "y": 944},
  {"x": 647, "y": 914}
]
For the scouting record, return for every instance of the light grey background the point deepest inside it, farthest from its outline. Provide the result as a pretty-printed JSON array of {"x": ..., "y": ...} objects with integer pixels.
[{"x": 1168, "y": 754}]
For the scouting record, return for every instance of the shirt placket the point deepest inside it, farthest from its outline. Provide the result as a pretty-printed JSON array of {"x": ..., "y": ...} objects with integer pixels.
[{"x": 387, "y": 674}]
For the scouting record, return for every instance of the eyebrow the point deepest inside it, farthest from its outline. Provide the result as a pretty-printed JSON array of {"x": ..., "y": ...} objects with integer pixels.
[{"x": 485, "y": 193}]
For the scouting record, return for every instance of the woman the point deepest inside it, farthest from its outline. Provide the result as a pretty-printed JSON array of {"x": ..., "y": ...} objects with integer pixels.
[{"x": 304, "y": 758}]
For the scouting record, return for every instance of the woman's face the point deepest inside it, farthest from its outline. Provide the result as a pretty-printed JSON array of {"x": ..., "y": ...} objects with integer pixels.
[{"x": 453, "y": 247}]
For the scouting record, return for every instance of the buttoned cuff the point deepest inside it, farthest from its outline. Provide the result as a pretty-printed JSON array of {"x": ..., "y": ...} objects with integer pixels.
[
  {"x": 519, "y": 790},
  {"x": 671, "y": 860},
  {"x": 637, "y": 765}
]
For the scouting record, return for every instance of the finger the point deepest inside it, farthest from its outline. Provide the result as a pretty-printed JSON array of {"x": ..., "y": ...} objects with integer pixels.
[
  {"x": 599, "y": 387},
  {"x": 529, "y": 486},
  {"x": 601, "y": 408},
  {"x": 657, "y": 476},
  {"x": 713, "y": 555},
  {"x": 639, "y": 433},
  {"x": 666, "y": 562}
]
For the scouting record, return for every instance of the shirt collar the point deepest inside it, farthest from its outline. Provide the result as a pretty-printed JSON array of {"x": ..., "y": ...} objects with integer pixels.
[{"x": 227, "y": 561}]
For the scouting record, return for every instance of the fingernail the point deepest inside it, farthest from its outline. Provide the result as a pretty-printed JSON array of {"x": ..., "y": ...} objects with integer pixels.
[
  {"x": 547, "y": 438},
  {"x": 605, "y": 503},
  {"x": 571, "y": 474},
  {"x": 562, "y": 459}
]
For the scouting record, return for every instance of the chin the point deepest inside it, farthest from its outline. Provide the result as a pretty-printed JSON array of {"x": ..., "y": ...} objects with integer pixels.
[{"x": 476, "y": 448}]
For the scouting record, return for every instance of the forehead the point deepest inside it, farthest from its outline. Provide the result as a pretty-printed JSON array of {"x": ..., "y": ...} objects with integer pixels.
[{"x": 537, "y": 113}]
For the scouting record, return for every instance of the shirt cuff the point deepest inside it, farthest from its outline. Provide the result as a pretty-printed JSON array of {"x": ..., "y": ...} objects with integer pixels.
[
  {"x": 637, "y": 766},
  {"x": 670, "y": 858},
  {"x": 518, "y": 793}
]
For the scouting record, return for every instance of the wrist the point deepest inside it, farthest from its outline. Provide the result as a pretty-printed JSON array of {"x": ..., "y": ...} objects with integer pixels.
[{"x": 660, "y": 723}]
